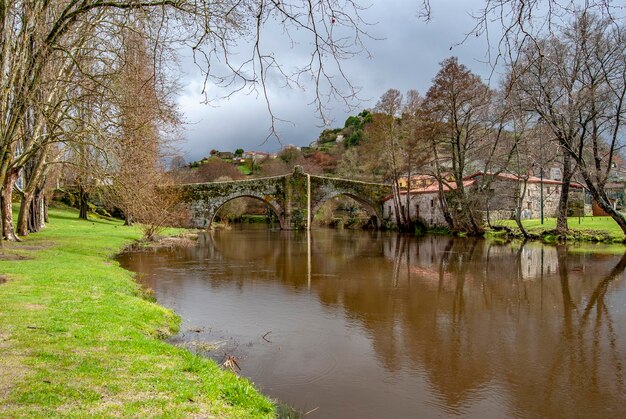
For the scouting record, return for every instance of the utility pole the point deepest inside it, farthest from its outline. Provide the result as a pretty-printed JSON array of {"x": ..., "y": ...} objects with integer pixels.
[
  {"x": 308, "y": 201},
  {"x": 541, "y": 190},
  {"x": 541, "y": 172}
]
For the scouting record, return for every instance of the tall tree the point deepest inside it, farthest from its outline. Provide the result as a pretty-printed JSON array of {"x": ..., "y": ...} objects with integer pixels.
[
  {"x": 414, "y": 145},
  {"x": 385, "y": 131},
  {"x": 575, "y": 81},
  {"x": 145, "y": 113},
  {"x": 458, "y": 103}
]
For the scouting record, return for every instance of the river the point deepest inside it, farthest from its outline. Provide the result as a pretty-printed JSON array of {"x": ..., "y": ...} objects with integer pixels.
[{"x": 355, "y": 324}]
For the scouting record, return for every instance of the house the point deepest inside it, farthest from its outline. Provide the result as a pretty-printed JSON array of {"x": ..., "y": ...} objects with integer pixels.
[
  {"x": 255, "y": 155},
  {"x": 423, "y": 201},
  {"x": 504, "y": 190},
  {"x": 502, "y": 193},
  {"x": 417, "y": 181},
  {"x": 290, "y": 147},
  {"x": 225, "y": 155}
]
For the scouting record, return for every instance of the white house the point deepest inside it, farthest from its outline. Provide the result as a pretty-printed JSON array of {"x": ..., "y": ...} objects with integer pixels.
[{"x": 500, "y": 200}]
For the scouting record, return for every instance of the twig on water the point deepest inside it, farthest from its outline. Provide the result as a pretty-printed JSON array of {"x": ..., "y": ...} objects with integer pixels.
[
  {"x": 311, "y": 411},
  {"x": 230, "y": 362}
]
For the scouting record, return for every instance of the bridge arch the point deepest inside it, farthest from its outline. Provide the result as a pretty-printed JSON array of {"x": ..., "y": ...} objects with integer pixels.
[
  {"x": 368, "y": 205},
  {"x": 272, "y": 205}
]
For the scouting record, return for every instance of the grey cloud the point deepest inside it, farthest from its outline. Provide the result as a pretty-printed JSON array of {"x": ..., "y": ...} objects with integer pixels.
[{"x": 407, "y": 58}]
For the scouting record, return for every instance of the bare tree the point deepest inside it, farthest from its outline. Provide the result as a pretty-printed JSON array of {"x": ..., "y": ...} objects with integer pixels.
[
  {"x": 575, "y": 81},
  {"x": 458, "y": 103},
  {"x": 145, "y": 114},
  {"x": 385, "y": 130},
  {"x": 38, "y": 37},
  {"x": 415, "y": 145}
]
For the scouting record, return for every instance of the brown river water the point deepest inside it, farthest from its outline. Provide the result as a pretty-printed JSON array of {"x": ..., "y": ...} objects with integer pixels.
[{"x": 354, "y": 324}]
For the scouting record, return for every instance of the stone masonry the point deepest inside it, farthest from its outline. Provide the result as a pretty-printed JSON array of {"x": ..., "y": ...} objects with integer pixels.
[{"x": 294, "y": 198}]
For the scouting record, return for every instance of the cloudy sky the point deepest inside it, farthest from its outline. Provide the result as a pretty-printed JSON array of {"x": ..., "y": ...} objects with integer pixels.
[{"x": 406, "y": 55}]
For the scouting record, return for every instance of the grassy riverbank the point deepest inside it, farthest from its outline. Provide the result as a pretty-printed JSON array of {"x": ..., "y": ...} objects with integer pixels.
[
  {"x": 592, "y": 229},
  {"x": 78, "y": 339}
]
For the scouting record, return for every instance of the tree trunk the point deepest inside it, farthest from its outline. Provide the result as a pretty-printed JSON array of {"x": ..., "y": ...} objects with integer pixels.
[
  {"x": 397, "y": 204},
  {"x": 561, "y": 220},
  {"x": 604, "y": 203},
  {"x": 476, "y": 227},
  {"x": 443, "y": 203},
  {"x": 45, "y": 210},
  {"x": 23, "y": 218},
  {"x": 1, "y": 220},
  {"x": 518, "y": 221},
  {"x": 83, "y": 203},
  {"x": 519, "y": 201},
  {"x": 30, "y": 217},
  {"x": 36, "y": 219},
  {"x": 409, "y": 221},
  {"x": 8, "y": 231},
  {"x": 464, "y": 213}
]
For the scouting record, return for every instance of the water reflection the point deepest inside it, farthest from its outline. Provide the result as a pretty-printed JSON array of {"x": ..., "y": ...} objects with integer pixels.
[
  {"x": 534, "y": 319},
  {"x": 367, "y": 324}
]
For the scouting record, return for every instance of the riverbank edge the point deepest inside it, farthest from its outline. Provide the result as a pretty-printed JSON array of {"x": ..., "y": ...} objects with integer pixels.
[
  {"x": 606, "y": 231},
  {"x": 78, "y": 336},
  {"x": 510, "y": 232},
  {"x": 553, "y": 237},
  {"x": 547, "y": 234}
]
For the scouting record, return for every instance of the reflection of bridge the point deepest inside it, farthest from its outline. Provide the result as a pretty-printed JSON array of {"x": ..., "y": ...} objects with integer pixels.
[{"x": 294, "y": 198}]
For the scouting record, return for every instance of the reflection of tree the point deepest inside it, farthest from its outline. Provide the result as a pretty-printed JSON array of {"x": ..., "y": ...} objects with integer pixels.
[
  {"x": 568, "y": 304},
  {"x": 474, "y": 314},
  {"x": 588, "y": 358},
  {"x": 533, "y": 323},
  {"x": 552, "y": 369}
]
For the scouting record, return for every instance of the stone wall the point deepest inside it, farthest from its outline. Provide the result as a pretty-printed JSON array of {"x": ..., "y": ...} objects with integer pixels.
[{"x": 424, "y": 207}]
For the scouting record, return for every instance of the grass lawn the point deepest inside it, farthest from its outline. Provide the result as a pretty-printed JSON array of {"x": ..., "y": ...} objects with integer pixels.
[
  {"x": 245, "y": 170},
  {"x": 78, "y": 339},
  {"x": 589, "y": 227}
]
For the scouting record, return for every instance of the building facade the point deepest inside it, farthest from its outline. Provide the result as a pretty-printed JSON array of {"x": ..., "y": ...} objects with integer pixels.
[{"x": 501, "y": 196}]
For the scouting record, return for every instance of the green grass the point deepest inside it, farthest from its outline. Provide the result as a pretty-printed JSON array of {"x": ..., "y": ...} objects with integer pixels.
[
  {"x": 581, "y": 228},
  {"x": 78, "y": 339},
  {"x": 245, "y": 170}
]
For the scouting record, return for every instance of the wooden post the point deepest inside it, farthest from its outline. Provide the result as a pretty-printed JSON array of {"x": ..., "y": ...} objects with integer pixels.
[{"x": 308, "y": 201}]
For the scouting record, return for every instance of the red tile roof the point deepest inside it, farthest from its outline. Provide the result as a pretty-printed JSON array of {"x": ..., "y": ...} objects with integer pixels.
[
  {"x": 470, "y": 180},
  {"x": 530, "y": 179}
]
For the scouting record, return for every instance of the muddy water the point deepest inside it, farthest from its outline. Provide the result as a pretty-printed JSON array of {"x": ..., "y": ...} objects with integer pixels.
[{"x": 366, "y": 325}]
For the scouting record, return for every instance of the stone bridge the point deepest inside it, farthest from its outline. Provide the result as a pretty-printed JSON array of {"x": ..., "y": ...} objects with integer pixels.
[{"x": 294, "y": 198}]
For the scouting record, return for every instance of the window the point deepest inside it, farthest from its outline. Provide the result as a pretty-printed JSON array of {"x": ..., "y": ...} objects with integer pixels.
[{"x": 432, "y": 203}]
